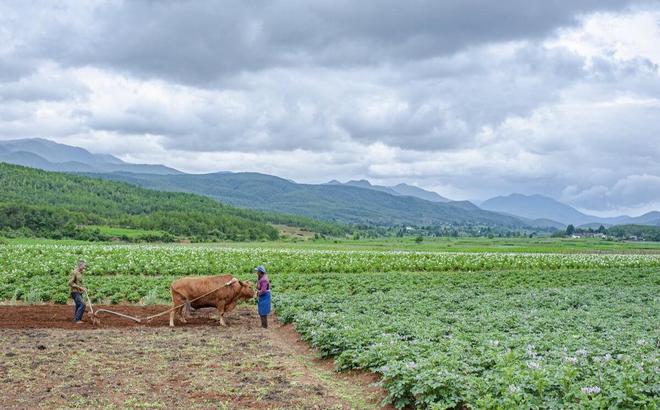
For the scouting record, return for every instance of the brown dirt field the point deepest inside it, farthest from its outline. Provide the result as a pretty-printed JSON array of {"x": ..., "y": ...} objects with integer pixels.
[
  {"x": 60, "y": 317},
  {"x": 46, "y": 361}
]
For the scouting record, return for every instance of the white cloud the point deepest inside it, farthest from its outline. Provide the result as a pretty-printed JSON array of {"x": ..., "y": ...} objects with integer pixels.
[
  {"x": 551, "y": 99},
  {"x": 619, "y": 36},
  {"x": 634, "y": 192}
]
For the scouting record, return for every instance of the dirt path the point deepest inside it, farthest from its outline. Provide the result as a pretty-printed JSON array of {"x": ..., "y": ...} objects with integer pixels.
[{"x": 48, "y": 362}]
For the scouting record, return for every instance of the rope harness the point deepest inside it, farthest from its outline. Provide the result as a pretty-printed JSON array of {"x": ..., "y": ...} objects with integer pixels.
[{"x": 146, "y": 319}]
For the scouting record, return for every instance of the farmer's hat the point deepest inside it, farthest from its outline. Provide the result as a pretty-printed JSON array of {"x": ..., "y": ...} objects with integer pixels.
[{"x": 261, "y": 269}]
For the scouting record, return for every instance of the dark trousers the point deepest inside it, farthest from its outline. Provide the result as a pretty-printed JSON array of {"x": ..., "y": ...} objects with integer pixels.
[
  {"x": 79, "y": 309},
  {"x": 264, "y": 322}
]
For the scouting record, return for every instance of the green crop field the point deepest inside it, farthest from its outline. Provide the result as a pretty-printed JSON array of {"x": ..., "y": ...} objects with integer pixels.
[
  {"x": 467, "y": 244},
  {"x": 506, "y": 245},
  {"x": 481, "y": 329}
]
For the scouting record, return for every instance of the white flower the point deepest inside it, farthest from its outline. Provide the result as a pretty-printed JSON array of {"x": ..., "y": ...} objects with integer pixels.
[
  {"x": 571, "y": 360},
  {"x": 582, "y": 352},
  {"x": 590, "y": 390},
  {"x": 533, "y": 365},
  {"x": 529, "y": 352},
  {"x": 513, "y": 389}
]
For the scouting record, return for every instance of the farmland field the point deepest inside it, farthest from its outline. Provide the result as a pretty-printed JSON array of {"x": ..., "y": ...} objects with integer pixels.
[
  {"x": 48, "y": 362},
  {"x": 481, "y": 329}
]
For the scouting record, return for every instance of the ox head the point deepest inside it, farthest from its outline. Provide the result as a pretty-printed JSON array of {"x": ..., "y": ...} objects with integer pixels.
[{"x": 245, "y": 292}]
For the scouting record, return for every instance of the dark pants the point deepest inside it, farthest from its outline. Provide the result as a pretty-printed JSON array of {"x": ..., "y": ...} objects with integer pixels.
[
  {"x": 80, "y": 306},
  {"x": 264, "y": 322}
]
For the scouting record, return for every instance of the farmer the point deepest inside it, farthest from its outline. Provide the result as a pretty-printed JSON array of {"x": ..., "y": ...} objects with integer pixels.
[
  {"x": 263, "y": 292},
  {"x": 76, "y": 285}
]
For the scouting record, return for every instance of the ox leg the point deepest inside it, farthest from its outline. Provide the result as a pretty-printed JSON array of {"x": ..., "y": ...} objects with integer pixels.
[
  {"x": 177, "y": 299},
  {"x": 221, "y": 312},
  {"x": 182, "y": 315},
  {"x": 174, "y": 303},
  {"x": 181, "y": 312},
  {"x": 230, "y": 307},
  {"x": 186, "y": 311}
]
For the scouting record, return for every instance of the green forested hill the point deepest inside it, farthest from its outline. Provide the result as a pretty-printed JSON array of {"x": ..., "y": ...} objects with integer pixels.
[{"x": 51, "y": 204}]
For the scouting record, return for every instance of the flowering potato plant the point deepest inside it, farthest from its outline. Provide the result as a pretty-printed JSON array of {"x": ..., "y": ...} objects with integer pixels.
[{"x": 515, "y": 339}]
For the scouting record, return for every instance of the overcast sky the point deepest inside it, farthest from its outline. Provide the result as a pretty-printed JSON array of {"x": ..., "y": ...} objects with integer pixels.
[{"x": 465, "y": 97}]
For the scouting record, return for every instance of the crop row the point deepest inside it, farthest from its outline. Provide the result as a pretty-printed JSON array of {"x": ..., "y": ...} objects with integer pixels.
[{"x": 194, "y": 260}]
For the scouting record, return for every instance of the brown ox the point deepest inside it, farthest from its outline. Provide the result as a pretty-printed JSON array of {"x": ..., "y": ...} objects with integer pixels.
[{"x": 226, "y": 292}]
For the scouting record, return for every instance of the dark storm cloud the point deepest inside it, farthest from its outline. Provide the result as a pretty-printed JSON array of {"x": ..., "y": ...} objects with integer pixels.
[{"x": 202, "y": 41}]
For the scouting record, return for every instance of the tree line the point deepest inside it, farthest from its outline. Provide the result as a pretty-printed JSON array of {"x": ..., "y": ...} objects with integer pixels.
[{"x": 55, "y": 205}]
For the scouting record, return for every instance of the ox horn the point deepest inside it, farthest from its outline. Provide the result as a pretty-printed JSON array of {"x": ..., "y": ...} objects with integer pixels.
[{"x": 231, "y": 282}]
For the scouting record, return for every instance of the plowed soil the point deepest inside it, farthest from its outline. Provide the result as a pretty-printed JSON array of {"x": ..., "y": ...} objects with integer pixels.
[
  {"x": 61, "y": 317},
  {"x": 47, "y": 361}
]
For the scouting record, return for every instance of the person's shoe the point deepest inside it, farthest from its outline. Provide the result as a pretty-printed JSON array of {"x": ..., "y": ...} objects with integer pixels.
[{"x": 79, "y": 322}]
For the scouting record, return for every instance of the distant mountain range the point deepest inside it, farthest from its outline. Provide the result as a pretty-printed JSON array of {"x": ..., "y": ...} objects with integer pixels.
[
  {"x": 358, "y": 202},
  {"x": 542, "y": 207},
  {"x": 51, "y": 156},
  {"x": 332, "y": 202},
  {"x": 397, "y": 190}
]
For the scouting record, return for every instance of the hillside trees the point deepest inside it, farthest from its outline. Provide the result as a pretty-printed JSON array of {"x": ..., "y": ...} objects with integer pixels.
[{"x": 52, "y": 205}]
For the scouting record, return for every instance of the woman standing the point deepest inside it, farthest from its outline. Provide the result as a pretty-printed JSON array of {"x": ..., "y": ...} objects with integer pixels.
[{"x": 263, "y": 291}]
